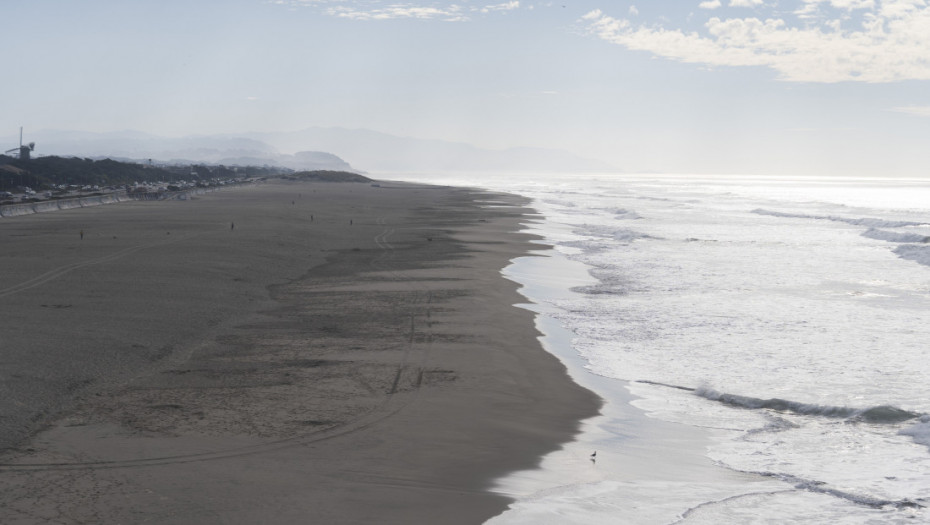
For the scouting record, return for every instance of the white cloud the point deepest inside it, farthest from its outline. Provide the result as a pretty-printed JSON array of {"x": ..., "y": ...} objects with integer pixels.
[
  {"x": 384, "y": 10},
  {"x": 811, "y": 8},
  {"x": 745, "y": 3},
  {"x": 710, "y": 4},
  {"x": 892, "y": 44},
  {"x": 901, "y": 7},
  {"x": 633, "y": 11},
  {"x": 852, "y": 4},
  {"x": 303, "y": 3},
  {"x": 507, "y": 6},
  {"x": 920, "y": 111},
  {"x": 451, "y": 14}
]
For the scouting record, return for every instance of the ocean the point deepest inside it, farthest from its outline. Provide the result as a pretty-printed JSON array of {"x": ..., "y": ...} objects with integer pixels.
[{"x": 762, "y": 345}]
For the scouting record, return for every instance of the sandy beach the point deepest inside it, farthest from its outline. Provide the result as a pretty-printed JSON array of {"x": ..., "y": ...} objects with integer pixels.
[{"x": 289, "y": 352}]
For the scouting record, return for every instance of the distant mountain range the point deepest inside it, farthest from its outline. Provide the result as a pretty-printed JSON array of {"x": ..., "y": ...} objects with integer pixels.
[
  {"x": 378, "y": 151},
  {"x": 358, "y": 150}
]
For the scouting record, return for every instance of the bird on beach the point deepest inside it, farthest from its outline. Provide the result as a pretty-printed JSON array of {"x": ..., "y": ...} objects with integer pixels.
[{"x": 594, "y": 457}]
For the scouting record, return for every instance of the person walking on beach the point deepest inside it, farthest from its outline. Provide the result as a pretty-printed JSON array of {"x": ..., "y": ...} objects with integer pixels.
[
  {"x": 232, "y": 226},
  {"x": 82, "y": 235}
]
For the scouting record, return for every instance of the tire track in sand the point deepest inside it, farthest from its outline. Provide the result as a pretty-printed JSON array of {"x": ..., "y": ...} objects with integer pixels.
[
  {"x": 63, "y": 270},
  {"x": 388, "y": 408}
]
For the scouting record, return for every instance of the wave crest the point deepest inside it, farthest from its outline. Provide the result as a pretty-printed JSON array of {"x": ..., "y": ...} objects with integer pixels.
[
  {"x": 871, "y": 222},
  {"x": 918, "y": 254},
  {"x": 884, "y": 235},
  {"x": 623, "y": 235},
  {"x": 883, "y": 414}
]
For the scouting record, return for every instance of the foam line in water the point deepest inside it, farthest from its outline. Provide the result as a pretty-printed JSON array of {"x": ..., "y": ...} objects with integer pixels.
[
  {"x": 919, "y": 432},
  {"x": 882, "y": 414},
  {"x": 863, "y": 221},
  {"x": 859, "y": 499},
  {"x": 884, "y": 235},
  {"x": 624, "y": 235},
  {"x": 646, "y": 381},
  {"x": 877, "y": 414},
  {"x": 621, "y": 213},
  {"x": 918, "y": 254},
  {"x": 688, "y": 513}
]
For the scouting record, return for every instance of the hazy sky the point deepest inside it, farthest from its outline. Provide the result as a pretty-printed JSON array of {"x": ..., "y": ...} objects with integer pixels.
[{"x": 754, "y": 86}]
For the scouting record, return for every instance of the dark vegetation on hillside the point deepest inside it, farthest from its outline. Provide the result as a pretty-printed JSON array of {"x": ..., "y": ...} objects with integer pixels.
[
  {"x": 329, "y": 176},
  {"x": 48, "y": 172}
]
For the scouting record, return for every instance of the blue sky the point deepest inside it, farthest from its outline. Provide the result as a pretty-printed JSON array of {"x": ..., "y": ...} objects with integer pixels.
[{"x": 704, "y": 86}]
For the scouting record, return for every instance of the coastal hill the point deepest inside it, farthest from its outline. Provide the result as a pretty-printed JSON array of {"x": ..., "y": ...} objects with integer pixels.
[
  {"x": 142, "y": 148},
  {"x": 375, "y": 151},
  {"x": 314, "y": 148}
]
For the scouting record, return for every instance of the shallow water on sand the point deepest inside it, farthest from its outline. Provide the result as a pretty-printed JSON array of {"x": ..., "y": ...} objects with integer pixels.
[{"x": 760, "y": 343}]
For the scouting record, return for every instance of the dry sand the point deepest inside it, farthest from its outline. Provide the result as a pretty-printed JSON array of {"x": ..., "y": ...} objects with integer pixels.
[{"x": 345, "y": 354}]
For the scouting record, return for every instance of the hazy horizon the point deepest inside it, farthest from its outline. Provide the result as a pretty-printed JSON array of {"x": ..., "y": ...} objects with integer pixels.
[{"x": 740, "y": 86}]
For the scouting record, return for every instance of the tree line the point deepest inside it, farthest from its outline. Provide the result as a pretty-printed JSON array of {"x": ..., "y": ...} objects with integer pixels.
[{"x": 52, "y": 171}]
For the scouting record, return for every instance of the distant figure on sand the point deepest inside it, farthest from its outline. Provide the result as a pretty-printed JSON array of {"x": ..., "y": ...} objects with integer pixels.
[
  {"x": 232, "y": 226},
  {"x": 82, "y": 234}
]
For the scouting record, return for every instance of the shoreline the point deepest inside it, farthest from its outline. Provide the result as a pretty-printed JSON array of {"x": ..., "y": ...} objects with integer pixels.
[
  {"x": 646, "y": 467},
  {"x": 394, "y": 409}
]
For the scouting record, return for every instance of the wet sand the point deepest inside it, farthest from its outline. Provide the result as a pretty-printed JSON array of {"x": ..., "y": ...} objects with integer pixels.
[{"x": 344, "y": 354}]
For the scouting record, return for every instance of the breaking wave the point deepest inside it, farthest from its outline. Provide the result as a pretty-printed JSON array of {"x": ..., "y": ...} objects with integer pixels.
[
  {"x": 919, "y": 432},
  {"x": 884, "y": 235},
  {"x": 621, "y": 213},
  {"x": 609, "y": 282},
  {"x": 624, "y": 235},
  {"x": 859, "y": 499},
  {"x": 560, "y": 202},
  {"x": 883, "y": 414},
  {"x": 588, "y": 246},
  {"x": 864, "y": 221},
  {"x": 918, "y": 254}
]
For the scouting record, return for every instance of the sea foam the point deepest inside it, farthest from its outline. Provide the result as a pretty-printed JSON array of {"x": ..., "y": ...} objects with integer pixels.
[{"x": 786, "y": 318}]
